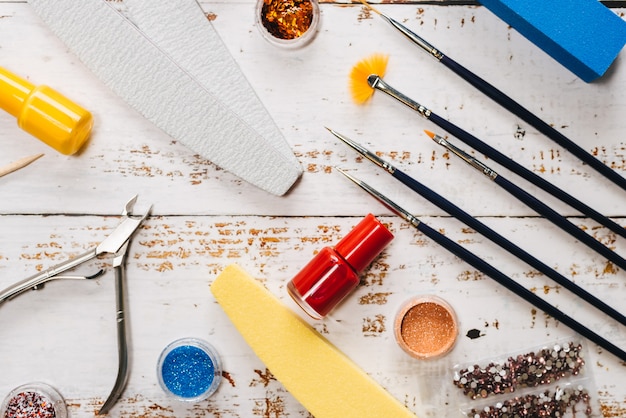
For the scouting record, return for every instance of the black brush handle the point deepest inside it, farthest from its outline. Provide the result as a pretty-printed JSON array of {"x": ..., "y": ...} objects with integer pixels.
[
  {"x": 560, "y": 221},
  {"x": 519, "y": 290},
  {"x": 523, "y": 172},
  {"x": 530, "y": 118},
  {"x": 503, "y": 242}
]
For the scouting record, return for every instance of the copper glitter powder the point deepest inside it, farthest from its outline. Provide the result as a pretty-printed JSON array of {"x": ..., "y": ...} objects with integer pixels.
[
  {"x": 426, "y": 328},
  {"x": 287, "y": 19}
]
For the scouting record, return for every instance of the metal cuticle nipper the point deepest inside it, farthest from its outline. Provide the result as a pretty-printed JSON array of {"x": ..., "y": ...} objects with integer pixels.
[
  {"x": 116, "y": 244},
  {"x": 119, "y": 265}
]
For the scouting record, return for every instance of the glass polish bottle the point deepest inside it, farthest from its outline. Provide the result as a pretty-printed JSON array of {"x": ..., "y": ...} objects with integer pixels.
[{"x": 334, "y": 272}]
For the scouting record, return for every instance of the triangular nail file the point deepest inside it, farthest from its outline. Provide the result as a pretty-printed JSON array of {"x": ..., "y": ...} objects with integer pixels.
[
  {"x": 181, "y": 29},
  {"x": 154, "y": 84}
]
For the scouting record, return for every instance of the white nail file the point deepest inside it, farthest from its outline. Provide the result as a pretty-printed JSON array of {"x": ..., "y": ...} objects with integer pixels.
[
  {"x": 152, "y": 82},
  {"x": 183, "y": 32}
]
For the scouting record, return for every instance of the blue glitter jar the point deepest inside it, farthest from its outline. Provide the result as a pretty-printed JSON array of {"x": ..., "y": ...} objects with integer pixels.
[{"x": 189, "y": 369}]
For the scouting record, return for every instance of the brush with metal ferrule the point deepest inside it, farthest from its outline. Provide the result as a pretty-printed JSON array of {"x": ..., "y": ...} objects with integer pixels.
[
  {"x": 532, "y": 202},
  {"x": 368, "y": 78},
  {"x": 481, "y": 228},
  {"x": 489, "y": 270},
  {"x": 507, "y": 102}
]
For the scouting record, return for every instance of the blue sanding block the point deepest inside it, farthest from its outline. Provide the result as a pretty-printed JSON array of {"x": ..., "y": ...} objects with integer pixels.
[{"x": 583, "y": 35}]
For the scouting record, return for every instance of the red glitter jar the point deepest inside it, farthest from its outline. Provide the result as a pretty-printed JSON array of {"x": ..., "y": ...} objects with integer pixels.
[
  {"x": 333, "y": 273},
  {"x": 34, "y": 400}
]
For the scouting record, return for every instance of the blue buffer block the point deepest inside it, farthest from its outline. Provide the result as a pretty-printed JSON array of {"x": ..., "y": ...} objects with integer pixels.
[{"x": 583, "y": 35}]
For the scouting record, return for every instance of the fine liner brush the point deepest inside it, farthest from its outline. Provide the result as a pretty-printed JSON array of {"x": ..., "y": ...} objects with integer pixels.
[
  {"x": 532, "y": 202},
  {"x": 481, "y": 228},
  {"x": 491, "y": 271},
  {"x": 506, "y": 102},
  {"x": 366, "y": 76}
]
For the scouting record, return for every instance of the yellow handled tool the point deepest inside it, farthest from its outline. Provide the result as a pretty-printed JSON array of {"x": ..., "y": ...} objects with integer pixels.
[{"x": 45, "y": 113}]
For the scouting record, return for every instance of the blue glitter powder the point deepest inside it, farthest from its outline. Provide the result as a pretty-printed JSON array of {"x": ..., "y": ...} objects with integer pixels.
[{"x": 187, "y": 371}]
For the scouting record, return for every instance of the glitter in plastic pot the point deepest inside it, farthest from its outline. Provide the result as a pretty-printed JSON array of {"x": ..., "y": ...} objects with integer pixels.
[
  {"x": 287, "y": 23},
  {"x": 426, "y": 327},
  {"x": 189, "y": 369},
  {"x": 34, "y": 400}
]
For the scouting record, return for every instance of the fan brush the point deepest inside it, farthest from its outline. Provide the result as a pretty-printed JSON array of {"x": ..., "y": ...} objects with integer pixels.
[
  {"x": 505, "y": 101},
  {"x": 374, "y": 64},
  {"x": 368, "y": 78}
]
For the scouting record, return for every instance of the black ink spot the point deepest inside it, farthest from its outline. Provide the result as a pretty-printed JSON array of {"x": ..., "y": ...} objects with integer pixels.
[
  {"x": 473, "y": 334},
  {"x": 520, "y": 133}
]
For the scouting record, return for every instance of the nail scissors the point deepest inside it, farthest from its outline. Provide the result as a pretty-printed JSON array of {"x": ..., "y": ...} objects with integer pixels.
[
  {"x": 111, "y": 245},
  {"x": 117, "y": 245},
  {"x": 119, "y": 265}
]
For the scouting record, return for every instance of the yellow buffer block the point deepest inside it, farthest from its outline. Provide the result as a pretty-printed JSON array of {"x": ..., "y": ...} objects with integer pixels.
[{"x": 314, "y": 371}]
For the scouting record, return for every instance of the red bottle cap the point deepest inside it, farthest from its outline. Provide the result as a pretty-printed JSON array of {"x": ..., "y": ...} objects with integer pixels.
[{"x": 364, "y": 243}]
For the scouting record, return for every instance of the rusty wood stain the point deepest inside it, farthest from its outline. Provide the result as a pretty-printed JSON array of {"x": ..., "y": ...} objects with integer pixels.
[
  {"x": 374, "y": 327},
  {"x": 273, "y": 406},
  {"x": 229, "y": 378},
  {"x": 546, "y": 289},
  {"x": 532, "y": 274},
  {"x": 379, "y": 298},
  {"x": 364, "y": 14},
  {"x": 548, "y": 321},
  {"x": 376, "y": 274},
  {"x": 467, "y": 275},
  {"x": 265, "y": 378},
  {"x": 612, "y": 409},
  {"x": 609, "y": 268}
]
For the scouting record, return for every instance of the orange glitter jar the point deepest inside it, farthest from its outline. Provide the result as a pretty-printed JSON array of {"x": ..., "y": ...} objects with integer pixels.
[
  {"x": 287, "y": 23},
  {"x": 426, "y": 327}
]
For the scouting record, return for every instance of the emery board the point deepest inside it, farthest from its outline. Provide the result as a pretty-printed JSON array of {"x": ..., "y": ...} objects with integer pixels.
[
  {"x": 582, "y": 35},
  {"x": 183, "y": 32},
  {"x": 148, "y": 79}
]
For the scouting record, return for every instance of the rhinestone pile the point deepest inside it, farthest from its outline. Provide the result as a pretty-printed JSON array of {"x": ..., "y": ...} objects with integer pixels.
[
  {"x": 525, "y": 370},
  {"x": 556, "y": 403}
]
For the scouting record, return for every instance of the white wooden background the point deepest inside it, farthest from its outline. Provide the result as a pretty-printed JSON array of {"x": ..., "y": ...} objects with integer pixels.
[{"x": 204, "y": 218}]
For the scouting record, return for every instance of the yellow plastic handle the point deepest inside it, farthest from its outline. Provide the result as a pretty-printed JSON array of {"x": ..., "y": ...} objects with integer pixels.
[{"x": 45, "y": 113}]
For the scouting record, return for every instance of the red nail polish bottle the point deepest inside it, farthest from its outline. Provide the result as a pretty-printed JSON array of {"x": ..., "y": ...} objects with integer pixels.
[{"x": 333, "y": 273}]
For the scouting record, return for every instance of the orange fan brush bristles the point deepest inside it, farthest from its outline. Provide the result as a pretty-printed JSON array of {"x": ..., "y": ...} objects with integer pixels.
[{"x": 375, "y": 64}]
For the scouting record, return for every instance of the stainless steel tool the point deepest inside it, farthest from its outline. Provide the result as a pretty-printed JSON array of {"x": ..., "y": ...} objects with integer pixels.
[
  {"x": 117, "y": 244},
  {"x": 111, "y": 245}
]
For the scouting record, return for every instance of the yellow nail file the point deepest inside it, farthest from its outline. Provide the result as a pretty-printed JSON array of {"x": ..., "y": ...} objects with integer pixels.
[{"x": 326, "y": 382}]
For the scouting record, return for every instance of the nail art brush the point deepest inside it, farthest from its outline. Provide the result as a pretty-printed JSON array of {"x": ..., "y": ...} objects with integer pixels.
[
  {"x": 489, "y": 270},
  {"x": 481, "y": 228},
  {"x": 507, "y": 102},
  {"x": 532, "y": 202},
  {"x": 362, "y": 83}
]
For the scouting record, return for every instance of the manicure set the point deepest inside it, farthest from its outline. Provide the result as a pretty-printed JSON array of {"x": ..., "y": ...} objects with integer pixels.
[{"x": 552, "y": 380}]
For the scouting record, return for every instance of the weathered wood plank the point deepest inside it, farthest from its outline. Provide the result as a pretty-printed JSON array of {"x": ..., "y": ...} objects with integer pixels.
[
  {"x": 173, "y": 259},
  {"x": 204, "y": 218}
]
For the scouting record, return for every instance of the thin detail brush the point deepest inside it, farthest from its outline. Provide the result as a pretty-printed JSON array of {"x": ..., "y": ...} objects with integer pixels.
[
  {"x": 481, "y": 265},
  {"x": 532, "y": 202},
  {"x": 481, "y": 228},
  {"x": 374, "y": 81},
  {"x": 507, "y": 102}
]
